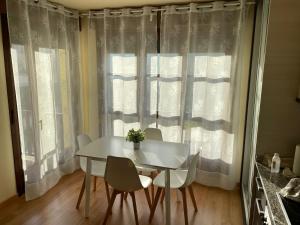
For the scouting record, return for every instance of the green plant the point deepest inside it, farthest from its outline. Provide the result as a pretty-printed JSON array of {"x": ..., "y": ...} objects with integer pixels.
[{"x": 135, "y": 136}]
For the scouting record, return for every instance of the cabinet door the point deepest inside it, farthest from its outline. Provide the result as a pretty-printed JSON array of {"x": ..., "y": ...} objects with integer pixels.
[{"x": 258, "y": 215}]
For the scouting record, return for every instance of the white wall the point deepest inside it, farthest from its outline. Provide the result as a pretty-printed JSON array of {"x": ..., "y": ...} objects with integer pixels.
[
  {"x": 279, "y": 122},
  {"x": 7, "y": 174}
]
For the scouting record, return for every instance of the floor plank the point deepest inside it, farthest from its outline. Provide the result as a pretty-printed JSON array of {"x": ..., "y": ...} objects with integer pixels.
[{"x": 215, "y": 207}]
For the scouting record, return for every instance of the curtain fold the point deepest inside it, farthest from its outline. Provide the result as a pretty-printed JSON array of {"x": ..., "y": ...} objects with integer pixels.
[
  {"x": 46, "y": 59},
  {"x": 186, "y": 81},
  {"x": 199, "y": 86},
  {"x": 124, "y": 44}
]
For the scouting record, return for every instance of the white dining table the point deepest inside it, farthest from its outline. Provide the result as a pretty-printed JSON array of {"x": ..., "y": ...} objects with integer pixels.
[{"x": 153, "y": 154}]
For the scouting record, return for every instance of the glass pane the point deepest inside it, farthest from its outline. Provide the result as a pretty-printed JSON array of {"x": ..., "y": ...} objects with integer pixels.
[
  {"x": 152, "y": 65},
  {"x": 170, "y": 65},
  {"x": 213, "y": 66},
  {"x": 123, "y": 65},
  {"x": 211, "y": 100},
  {"x": 45, "y": 100},
  {"x": 124, "y": 96},
  {"x": 153, "y": 97},
  {"x": 169, "y": 98},
  {"x": 25, "y": 111}
]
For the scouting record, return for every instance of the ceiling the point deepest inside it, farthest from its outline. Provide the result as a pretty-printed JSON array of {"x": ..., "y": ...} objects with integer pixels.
[{"x": 100, "y": 4}]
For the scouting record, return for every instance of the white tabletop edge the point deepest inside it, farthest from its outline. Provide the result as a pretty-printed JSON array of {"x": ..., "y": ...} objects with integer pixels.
[
  {"x": 137, "y": 164},
  {"x": 180, "y": 151}
]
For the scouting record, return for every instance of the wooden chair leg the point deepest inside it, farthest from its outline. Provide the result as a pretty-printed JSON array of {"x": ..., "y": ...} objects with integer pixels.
[
  {"x": 110, "y": 205},
  {"x": 148, "y": 197},
  {"x": 193, "y": 197},
  {"x": 80, "y": 193},
  {"x": 121, "y": 199},
  {"x": 107, "y": 192},
  {"x": 184, "y": 205},
  {"x": 152, "y": 175},
  {"x": 125, "y": 195},
  {"x": 162, "y": 197},
  {"x": 134, "y": 208},
  {"x": 154, "y": 203},
  {"x": 95, "y": 183}
]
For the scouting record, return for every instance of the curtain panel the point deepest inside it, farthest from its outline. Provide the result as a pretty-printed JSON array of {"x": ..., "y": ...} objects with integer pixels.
[
  {"x": 199, "y": 87},
  {"x": 45, "y": 59},
  {"x": 182, "y": 75},
  {"x": 120, "y": 48}
]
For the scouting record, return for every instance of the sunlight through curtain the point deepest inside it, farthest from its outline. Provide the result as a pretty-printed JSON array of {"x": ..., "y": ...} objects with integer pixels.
[
  {"x": 183, "y": 78},
  {"x": 45, "y": 59}
]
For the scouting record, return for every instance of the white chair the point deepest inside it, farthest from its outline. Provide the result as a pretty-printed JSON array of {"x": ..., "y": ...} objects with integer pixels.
[
  {"x": 179, "y": 179},
  {"x": 151, "y": 134},
  {"x": 121, "y": 174},
  {"x": 97, "y": 168}
]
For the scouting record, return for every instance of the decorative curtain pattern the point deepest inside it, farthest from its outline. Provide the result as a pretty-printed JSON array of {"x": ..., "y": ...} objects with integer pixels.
[
  {"x": 45, "y": 58},
  {"x": 199, "y": 84},
  {"x": 189, "y": 89},
  {"x": 122, "y": 46}
]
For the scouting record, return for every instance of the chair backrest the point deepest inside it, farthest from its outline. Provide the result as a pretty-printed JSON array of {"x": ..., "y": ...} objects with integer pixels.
[
  {"x": 121, "y": 174},
  {"x": 83, "y": 140},
  {"x": 192, "y": 169},
  {"x": 153, "y": 134}
]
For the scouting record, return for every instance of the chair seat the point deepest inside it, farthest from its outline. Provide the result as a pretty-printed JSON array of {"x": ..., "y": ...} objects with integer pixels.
[
  {"x": 145, "y": 170},
  {"x": 145, "y": 181},
  {"x": 177, "y": 178},
  {"x": 98, "y": 167}
]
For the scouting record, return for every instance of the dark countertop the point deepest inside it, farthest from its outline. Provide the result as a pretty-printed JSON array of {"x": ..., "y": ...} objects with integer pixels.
[{"x": 273, "y": 183}]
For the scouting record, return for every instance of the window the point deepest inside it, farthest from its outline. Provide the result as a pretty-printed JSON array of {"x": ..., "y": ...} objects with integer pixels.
[
  {"x": 53, "y": 114},
  {"x": 24, "y": 105},
  {"x": 124, "y": 92},
  {"x": 207, "y": 87}
]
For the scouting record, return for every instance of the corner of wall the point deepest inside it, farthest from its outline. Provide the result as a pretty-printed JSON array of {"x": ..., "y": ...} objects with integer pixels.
[{"x": 7, "y": 174}]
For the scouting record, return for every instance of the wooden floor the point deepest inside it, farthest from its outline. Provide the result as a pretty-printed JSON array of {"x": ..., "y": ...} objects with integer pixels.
[{"x": 57, "y": 207}]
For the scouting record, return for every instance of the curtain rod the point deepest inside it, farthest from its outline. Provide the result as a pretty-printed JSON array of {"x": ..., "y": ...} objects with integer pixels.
[
  {"x": 203, "y": 5},
  {"x": 101, "y": 12},
  {"x": 55, "y": 6}
]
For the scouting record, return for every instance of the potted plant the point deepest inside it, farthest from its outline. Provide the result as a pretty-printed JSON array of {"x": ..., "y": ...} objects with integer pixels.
[{"x": 135, "y": 136}]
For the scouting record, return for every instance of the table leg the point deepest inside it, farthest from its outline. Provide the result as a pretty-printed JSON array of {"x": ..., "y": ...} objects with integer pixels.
[
  {"x": 167, "y": 197},
  {"x": 87, "y": 187}
]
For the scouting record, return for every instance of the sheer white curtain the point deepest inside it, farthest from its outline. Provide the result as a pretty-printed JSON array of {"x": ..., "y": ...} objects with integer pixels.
[
  {"x": 120, "y": 46},
  {"x": 45, "y": 58},
  {"x": 186, "y": 81},
  {"x": 199, "y": 85}
]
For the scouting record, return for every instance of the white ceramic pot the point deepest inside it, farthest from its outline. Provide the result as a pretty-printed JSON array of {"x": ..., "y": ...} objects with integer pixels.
[{"x": 136, "y": 146}]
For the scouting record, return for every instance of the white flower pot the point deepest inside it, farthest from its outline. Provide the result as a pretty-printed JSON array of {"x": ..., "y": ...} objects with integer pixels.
[{"x": 136, "y": 146}]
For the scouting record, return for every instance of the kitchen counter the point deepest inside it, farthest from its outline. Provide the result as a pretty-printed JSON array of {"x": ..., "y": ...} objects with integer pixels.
[{"x": 272, "y": 184}]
